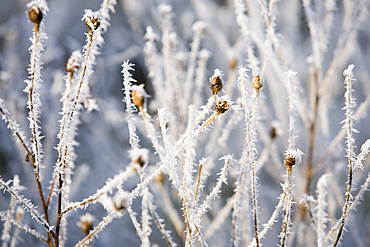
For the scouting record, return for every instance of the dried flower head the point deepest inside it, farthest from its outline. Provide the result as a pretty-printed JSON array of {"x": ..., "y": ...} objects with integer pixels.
[
  {"x": 165, "y": 10},
  {"x": 139, "y": 95},
  {"x": 293, "y": 157},
  {"x": 216, "y": 81},
  {"x": 92, "y": 20},
  {"x": 73, "y": 63},
  {"x": 233, "y": 62},
  {"x": 120, "y": 200},
  {"x": 139, "y": 156},
  {"x": 199, "y": 27},
  {"x": 273, "y": 132},
  {"x": 36, "y": 11},
  {"x": 160, "y": 178},
  {"x": 275, "y": 129},
  {"x": 35, "y": 14},
  {"x": 223, "y": 104},
  {"x": 86, "y": 223},
  {"x": 116, "y": 203},
  {"x": 256, "y": 83}
]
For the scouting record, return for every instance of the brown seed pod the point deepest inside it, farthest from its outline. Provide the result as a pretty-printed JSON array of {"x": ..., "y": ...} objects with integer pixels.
[{"x": 256, "y": 83}]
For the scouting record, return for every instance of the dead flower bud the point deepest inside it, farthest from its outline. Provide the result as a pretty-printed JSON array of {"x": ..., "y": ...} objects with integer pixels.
[
  {"x": 160, "y": 178},
  {"x": 223, "y": 104},
  {"x": 92, "y": 20},
  {"x": 216, "y": 81},
  {"x": 86, "y": 223},
  {"x": 256, "y": 83},
  {"x": 120, "y": 200},
  {"x": 233, "y": 62},
  {"x": 139, "y": 156},
  {"x": 34, "y": 14},
  {"x": 74, "y": 61},
  {"x": 293, "y": 157},
  {"x": 138, "y": 97},
  {"x": 273, "y": 132},
  {"x": 289, "y": 161}
]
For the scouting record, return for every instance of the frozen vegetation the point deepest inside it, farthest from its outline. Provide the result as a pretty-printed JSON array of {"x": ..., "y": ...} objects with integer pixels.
[{"x": 184, "y": 123}]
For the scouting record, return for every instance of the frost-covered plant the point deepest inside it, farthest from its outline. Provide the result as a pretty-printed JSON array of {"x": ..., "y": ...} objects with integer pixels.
[{"x": 252, "y": 154}]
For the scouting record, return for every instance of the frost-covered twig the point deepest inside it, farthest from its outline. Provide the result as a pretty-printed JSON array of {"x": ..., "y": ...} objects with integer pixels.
[
  {"x": 93, "y": 233},
  {"x": 249, "y": 152},
  {"x": 322, "y": 216},
  {"x": 22, "y": 226},
  {"x": 26, "y": 204},
  {"x": 350, "y": 103},
  {"x": 159, "y": 222},
  {"x": 293, "y": 157},
  {"x": 6, "y": 237},
  {"x": 206, "y": 204},
  {"x": 15, "y": 128}
]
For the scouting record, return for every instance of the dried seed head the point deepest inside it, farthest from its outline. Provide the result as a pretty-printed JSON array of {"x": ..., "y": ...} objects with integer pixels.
[
  {"x": 73, "y": 62},
  {"x": 256, "y": 83},
  {"x": 233, "y": 62},
  {"x": 86, "y": 223},
  {"x": 223, "y": 104},
  {"x": 216, "y": 81},
  {"x": 34, "y": 14}
]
